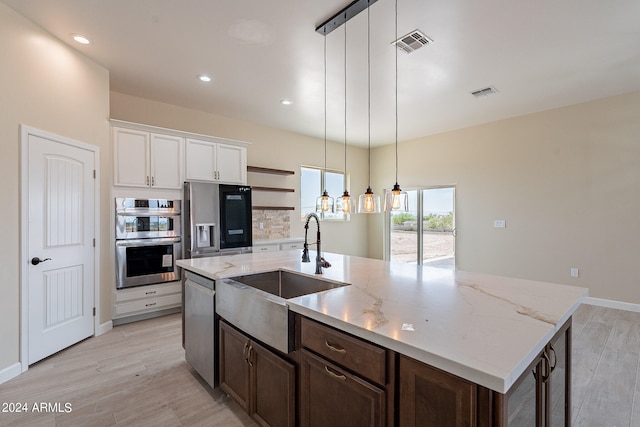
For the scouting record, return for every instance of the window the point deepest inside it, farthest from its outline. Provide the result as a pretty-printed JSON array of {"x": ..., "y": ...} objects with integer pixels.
[
  {"x": 425, "y": 235},
  {"x": 311, "y": 188}
]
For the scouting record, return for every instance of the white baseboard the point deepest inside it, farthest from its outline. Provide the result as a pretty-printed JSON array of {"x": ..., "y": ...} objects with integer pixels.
[
  {"x": 104, "y": 328},
  {"x": 10, "y": 372},
  {"x": 613, "y": 304}
]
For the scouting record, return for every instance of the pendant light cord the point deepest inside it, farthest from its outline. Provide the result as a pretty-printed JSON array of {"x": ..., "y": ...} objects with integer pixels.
[
  {"x": 345, "y": 106},
  {"x": 324, "y": 178},
  {"x": 369, "y": 81},
  {"x": 396, "y": 29}
]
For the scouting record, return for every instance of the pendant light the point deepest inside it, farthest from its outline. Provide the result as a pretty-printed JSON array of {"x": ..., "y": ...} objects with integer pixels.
[
  {"x": 345, "y": 204},
  {"x": 369, "y": 202},
  {"x": 325, "y": 203},
  {"x": 396, "y": 199}
]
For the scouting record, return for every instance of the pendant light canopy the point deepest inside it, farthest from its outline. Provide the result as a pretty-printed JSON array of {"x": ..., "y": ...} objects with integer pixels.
[
  {"x": 369, "y": 202},
  {"x": 325, "y": 203},
  {"x": 345, "y": 202},
  {"x": 396, "y": 199}
]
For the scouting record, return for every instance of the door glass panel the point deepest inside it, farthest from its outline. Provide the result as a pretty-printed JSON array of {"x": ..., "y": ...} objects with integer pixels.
[
  {"x": 438, "y": 241},
  {"x": 403, "y": 240}
]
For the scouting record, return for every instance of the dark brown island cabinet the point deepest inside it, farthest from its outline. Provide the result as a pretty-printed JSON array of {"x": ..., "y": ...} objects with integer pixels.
[
  {"x": 336, "y": 379},
  {"x": 260, "y": 380}
]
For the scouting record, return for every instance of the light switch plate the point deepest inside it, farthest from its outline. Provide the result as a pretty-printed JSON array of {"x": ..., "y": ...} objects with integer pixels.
[
  {"x": 575, "y": 272},
  {"x": 499, "y": 223}
]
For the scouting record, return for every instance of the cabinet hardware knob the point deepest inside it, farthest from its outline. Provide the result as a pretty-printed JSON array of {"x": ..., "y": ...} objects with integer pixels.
[
  {"x": 332, "y": 348},
  {"x": 334, "y": 375}
]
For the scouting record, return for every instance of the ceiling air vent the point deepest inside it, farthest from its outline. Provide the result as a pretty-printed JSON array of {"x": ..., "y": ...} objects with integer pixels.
[
  {"x": 484, "y": 91},
  {"x": 412, "y": 41}
]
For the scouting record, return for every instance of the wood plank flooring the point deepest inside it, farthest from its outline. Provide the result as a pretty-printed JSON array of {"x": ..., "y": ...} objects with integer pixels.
[{"x": 136, "y": 375}]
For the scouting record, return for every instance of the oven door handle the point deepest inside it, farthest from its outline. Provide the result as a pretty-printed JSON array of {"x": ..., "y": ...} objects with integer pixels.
[{"x": 148, "y": 242}]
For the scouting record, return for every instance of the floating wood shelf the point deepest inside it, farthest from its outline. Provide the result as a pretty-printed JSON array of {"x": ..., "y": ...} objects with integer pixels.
[
  {"x": 273, "y": 208},
  {"x": 278, "y": 189},
  {"x": 269, "y": 170}
]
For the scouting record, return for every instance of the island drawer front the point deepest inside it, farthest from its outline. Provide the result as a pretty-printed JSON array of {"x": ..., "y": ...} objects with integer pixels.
[{"x": 361, "y": 357}]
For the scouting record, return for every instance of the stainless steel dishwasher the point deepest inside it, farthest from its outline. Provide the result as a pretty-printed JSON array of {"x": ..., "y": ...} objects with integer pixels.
[{"x": 200, "y": 334}]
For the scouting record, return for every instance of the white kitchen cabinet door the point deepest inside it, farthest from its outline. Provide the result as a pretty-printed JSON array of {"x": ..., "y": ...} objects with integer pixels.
[
  {"x": 131, "y": 158},
  {"x": 166, "y": 161},
  {"x": 232, "y": 164},
  {"x": 201, "y": 160},
  {"x": 210, "y": 161}
]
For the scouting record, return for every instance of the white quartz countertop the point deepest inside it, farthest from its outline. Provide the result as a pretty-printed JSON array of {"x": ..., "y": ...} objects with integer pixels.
[
  {"x": 278, "y": 241},
  {"x": 486, "y": 329}
]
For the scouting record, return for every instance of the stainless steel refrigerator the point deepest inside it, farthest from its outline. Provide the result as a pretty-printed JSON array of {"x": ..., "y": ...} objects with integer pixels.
[{"x": 217, "y": 219}]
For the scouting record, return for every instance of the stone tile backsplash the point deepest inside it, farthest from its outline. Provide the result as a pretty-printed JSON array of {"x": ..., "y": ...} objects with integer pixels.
[{"x": 275, "y": 224}]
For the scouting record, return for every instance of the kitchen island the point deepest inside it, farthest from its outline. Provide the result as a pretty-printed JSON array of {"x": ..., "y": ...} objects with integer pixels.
[{"x": 486, "y": 330}]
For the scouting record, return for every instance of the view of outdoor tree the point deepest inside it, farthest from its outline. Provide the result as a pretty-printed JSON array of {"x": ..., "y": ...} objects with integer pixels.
[{"x": 431, "y": 221}]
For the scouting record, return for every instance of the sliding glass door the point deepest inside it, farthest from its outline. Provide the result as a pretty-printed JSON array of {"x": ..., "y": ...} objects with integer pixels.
[{"x": 426, "y": 234}]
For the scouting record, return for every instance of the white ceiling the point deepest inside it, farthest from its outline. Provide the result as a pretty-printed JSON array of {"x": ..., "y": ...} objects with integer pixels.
[{"x": 538, "y": 54}]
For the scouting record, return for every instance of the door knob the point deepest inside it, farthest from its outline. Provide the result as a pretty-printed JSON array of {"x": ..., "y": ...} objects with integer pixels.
[{"x": 35, "y": 260}]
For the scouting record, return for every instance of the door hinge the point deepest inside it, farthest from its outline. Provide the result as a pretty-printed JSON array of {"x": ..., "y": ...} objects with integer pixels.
[
  {"x": 94, "y": 174},
  {"x": 94, "y": 312},
  {"x": 94, "y": 242}
]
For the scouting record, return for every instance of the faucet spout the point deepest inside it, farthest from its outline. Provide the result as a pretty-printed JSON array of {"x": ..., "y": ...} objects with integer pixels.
[{"x": 320, "y": 261}]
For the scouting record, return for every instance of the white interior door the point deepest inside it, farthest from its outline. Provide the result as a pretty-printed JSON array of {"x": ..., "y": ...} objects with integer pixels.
[{"x": 61, "y": 215}]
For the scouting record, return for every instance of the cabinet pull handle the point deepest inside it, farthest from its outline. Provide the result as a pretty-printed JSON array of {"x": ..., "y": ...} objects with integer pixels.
[
  {"x": 546, "y": 367},
  {"x": 150, "y": 305},
  {"x": 332, "y": 348},
  {"x": 249, "y": 356},
  {"x": 244, "y": 352},
  {"x": 555, "y": 358},
  {"x": 151, "y": 293},
  {"x": 147, "y": 179},
  {"x": 153, "y": 181},
  {"x": 334, "y": 375}
]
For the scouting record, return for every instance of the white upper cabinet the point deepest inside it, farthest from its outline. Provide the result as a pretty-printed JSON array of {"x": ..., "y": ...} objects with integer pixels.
[
  {"x": 166, "y": 161},
  {"x": 215, "y": 162},
  {"x": 144, "y": 159}
]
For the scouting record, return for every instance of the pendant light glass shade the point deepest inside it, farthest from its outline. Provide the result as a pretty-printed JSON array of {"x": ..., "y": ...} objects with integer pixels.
[
  {"x": 325, "y": 203},
  {"x": 396, "y": 200},
  {"x": 369, "y": 202},
  {"x": 345, "y": 203}
]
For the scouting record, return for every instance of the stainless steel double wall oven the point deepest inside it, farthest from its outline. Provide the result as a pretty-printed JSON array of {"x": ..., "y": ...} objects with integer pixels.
[{"x": 148, "y": 241}]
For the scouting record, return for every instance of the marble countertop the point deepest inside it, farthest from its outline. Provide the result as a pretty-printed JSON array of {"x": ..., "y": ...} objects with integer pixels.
[
  {"x": 486, "y": 329},
  {"x": 278, "y": 241}
]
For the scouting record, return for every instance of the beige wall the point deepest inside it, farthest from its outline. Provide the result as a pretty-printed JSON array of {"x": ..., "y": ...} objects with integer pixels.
[
  {"x": 566, "y": 181},
  {"x": 272, "y": 148},
  {"x": 46, "y": 85}
]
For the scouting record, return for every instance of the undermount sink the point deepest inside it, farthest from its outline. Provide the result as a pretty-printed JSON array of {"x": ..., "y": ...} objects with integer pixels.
[
  {"x": 256, "y": 303},
  {"x": 286, "y": 284}
]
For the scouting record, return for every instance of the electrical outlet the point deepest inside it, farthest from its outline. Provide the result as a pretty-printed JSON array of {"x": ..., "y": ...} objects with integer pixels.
[
  {"x": 261, "y": 226},
  {"x": 499, "y": 223},
  {"x": 575, "y": 272}
]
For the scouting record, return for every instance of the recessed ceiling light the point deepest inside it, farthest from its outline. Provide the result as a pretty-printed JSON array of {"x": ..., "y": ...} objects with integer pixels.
[
  {"x": 204, "y": 78},
  {"x": 79, "y": 38},
  {"x": 286, "y": 102}
]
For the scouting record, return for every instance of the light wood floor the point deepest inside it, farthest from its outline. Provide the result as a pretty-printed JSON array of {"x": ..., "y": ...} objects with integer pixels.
[{"x": 135, "y": 375}]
